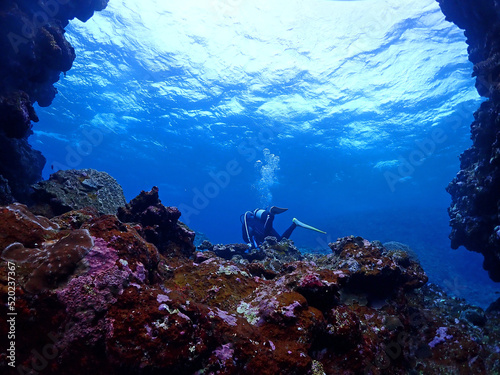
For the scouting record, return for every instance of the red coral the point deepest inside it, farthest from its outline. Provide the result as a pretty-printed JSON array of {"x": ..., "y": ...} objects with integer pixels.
[
  {"x": 52, "y": 263},
  {"x": 375, "y": 270},
  {"x": 126, "y": 241},
  {"x": 310, "y": 281},
  {"x": 18, "y": 224},
  {"x": 159, "y": 224},
  {"x": 343, "y": 327}
]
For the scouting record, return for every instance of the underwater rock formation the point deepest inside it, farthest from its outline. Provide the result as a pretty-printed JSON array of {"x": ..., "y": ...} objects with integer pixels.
[
  {"x": 74, "y": 189},
  {"x": 34, "y": 53},
  {"x": 475, "y": 191},
  {"x": 94, "y": 296},
  {"x": 375, "y": 270},
  {"x": 158, "y": 224},
  {"x": 20, "y": 167},
  {"x": 273, "y": 253},
  {"x": 5, "y": 193}
]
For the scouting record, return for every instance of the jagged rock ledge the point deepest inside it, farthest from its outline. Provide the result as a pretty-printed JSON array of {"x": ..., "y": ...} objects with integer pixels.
[
  {"x": 34, "y": 53},
  {"x": 475, "y": 191}
]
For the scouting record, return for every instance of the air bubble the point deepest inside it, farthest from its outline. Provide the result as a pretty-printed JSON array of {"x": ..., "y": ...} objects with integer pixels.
[{"x": 268, "y": 178}]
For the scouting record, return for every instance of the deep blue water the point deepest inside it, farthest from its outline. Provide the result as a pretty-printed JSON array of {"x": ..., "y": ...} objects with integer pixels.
[{"x": 350, "y": 113}]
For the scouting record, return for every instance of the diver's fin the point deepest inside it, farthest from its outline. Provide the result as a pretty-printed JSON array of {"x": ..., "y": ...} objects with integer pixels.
[
  {"x": 302, "y": 225},
  {"x": 277, "y": 210}
]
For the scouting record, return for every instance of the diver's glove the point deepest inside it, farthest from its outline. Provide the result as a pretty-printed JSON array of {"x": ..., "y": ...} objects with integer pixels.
[{"x": 302, "y": 225}]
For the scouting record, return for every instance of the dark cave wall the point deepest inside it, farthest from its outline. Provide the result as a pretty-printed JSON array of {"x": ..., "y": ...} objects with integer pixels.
[
  {"x": 34, "y": 52},
  {"x": 475, "y": 191}
]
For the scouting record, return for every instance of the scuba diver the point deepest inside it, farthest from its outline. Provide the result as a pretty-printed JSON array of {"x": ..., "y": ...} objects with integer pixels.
[{"x": 258, "y": 224}]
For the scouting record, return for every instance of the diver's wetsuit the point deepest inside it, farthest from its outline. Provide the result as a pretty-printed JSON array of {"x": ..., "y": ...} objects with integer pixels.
[{"x": 258, "y": 224}]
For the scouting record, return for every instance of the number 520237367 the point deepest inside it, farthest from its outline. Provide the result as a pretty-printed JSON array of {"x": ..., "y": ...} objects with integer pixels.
[{"x": 11, "y": 285}]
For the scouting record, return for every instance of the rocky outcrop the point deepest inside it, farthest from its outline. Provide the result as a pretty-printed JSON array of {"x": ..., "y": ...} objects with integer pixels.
[
  {"x": 20, "y": 166},
  {"x": 271, "y": 251},
  {"x": 158, "y": 224},
  {"x": 74, "y": 189},
  {"x": 475, "y": 191},
  {"x": 92, "y": 295},
  {"x": 34, "y": 53},
  {"x": 5, "y": 193}
]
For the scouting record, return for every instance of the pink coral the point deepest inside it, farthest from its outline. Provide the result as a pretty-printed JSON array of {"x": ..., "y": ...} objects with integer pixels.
[
  {"x": 224, "y": 353},
  {"x": 228, "y": 318},
  {"x": 440, "y": 337},
  {"x": 101, "y": 257},
  {"x": 288, "y": 311},
  {"x": 88, "y": 296},
  {"x": 162, "y": 298},
  {"x": 311, "y": 281}
]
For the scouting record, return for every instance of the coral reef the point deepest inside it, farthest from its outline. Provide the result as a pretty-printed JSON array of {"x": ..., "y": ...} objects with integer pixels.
[
  {"x": 401, "y": 247},
  {"x": 34, "y": 53},
  {"x": 158, "y": 224},
  {"x": 94, "y": 296},
  {"x": 19, "y": 225},
  {"x": 51, "y": 262},
  {"x": 273, "y": 253},
  {"x": 475, "y": 191},
  {"x": 233, "y": 251},
  {"x": 74, "y": 189},
  {"x": 374, "y": 270}
]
